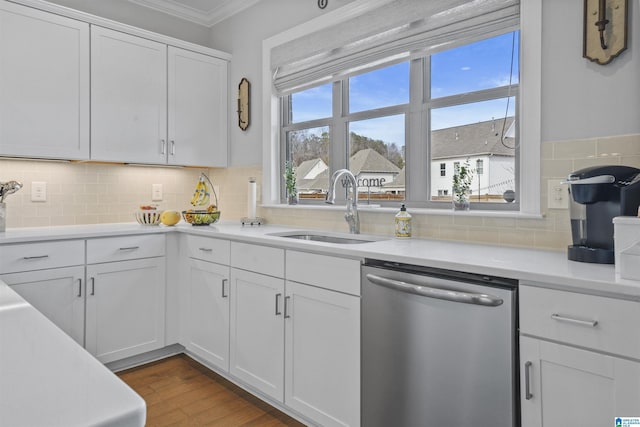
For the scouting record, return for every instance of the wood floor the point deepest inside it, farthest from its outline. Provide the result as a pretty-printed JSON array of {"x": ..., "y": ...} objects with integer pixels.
[{"x": 181, "y": 392}]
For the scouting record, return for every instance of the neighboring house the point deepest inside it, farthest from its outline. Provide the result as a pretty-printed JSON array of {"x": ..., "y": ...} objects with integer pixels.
[
  {"x": 372, "y": 170},
  {"x": 492, "y": 161},
  {"x": 312, "y": 176},
  {"x": 397, "y": 186}
]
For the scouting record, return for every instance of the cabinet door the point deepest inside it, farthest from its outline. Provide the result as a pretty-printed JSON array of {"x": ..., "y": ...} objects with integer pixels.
[
  {"x": 257, "y": 332},
  {"x": 197, "y": 109},
  {"x": 125, "y": 308},
  {"x": 128, "y": 98},
  {"x": 564, "y": 386},
  {"x": 44, "y": 82},
  {"x": 56, "y": 293},
  {"x": 207, "y": 312},
  {"x": 322, "y": 368}
]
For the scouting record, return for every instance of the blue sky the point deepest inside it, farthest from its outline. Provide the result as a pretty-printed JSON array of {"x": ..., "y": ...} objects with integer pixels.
[{"x": 481, "y": 65}]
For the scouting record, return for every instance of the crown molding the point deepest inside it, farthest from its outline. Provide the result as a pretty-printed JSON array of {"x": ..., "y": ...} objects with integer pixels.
[{"x": 222, "y": 11}]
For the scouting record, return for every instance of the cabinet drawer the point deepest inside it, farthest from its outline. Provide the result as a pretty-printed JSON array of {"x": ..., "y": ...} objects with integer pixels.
[
  {"x": 37, "y": 256},
  {"x": 208, "y": 249},
  {"x": 261, "y": 259},
  {"x": 338, "y": 274},
  {"x": 124, "y": 248},
  {"x": 595, "y": 322}
]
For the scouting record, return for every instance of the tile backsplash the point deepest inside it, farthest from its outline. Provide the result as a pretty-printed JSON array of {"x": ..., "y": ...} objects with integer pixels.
[{"x": 88, "y": 193}]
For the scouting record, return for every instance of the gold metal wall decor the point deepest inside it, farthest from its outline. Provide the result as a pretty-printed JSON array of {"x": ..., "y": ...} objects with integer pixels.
[
  {"x": 605, "y": 30},
  {"x": 244, "y": 93}
]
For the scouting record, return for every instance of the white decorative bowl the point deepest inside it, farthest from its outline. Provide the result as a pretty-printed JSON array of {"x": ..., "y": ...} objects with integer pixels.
[{"x": 148, "y": 217}]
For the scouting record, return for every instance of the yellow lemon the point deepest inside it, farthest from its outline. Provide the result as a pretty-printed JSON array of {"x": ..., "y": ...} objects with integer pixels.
[{"x": 170, "y": 217}]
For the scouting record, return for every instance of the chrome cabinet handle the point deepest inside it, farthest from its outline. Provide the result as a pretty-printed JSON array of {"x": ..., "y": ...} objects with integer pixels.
[
  {"x": 93, "y": 285},
  {"x": 443, "y": 294},
  {"x": 36, "y": 257},
  {"x": 173, "y": 147},
  {"x": 224, "y": 281},
  {"x": 163, "y": 146},
  {"x": 560, "y": 318},
  {"x": 206, "y": 249},
  {"x": 278, "y": 312},
  {"x": 79, "y": 288},
  {"x": 527, "y": 381},
  {"x": 130, "y": 248},
  {"x": 286, "y": 310}
]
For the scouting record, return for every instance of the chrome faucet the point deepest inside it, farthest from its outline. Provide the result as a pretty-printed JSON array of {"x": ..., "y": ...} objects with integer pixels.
[{"x": 352, "y": 217}]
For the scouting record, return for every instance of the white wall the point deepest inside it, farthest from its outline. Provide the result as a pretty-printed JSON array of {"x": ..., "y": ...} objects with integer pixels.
[{"x": 581, "y": 99}]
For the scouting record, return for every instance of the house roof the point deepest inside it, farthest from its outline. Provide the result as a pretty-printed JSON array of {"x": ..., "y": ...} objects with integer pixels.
[
  {"x": 398, "y": 182},
  {"x": 369, "y": 160},
  {"x": 304, "y": 168},
  {"x": 476, "y": 139},
  {"x": 320, "y": 182}
]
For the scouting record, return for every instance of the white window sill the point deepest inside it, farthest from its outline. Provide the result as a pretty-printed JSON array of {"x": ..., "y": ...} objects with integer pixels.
[{"x": 412, "y": 211}]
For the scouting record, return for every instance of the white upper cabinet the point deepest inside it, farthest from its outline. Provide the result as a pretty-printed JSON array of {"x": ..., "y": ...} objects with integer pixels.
[
  {"x": 156, "y": 104},
  {"x": 128, "y": 98},
  {"x": 197, "y": 134},
  {"x": 44, "y": 84}
]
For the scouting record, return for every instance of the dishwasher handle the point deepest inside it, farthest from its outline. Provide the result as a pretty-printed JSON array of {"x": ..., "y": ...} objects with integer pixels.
[{"x": 443, "y": 294}]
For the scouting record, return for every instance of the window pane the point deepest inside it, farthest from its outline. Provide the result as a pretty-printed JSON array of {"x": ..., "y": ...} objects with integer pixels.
[
  {"x": 379, "y": 88},
  {"x": 309, "y": 153},
  {"x": 311, "y": 104},
  {"x": 481, "y": 65},
  {"x": 376, "y": 157},
  {"x": 465, "y": 134}
]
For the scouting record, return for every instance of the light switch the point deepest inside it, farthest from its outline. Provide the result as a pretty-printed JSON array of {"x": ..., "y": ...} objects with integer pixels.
[
  {"x": 156, "y": 192},
  {"x": 557, "y": 194},
  {"x": 38, "y": 191}
]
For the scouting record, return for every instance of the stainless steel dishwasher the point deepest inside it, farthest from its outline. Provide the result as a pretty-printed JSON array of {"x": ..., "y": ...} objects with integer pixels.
[{"x": 439, "y": 348}]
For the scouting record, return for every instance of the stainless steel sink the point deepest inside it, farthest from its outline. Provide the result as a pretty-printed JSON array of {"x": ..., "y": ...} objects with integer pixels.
[{"x": 319, "y": 236}]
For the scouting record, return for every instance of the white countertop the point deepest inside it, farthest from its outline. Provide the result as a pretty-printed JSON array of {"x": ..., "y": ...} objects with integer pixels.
[
  {"x": 66, "y": 386},
  {"x": 548, "y": 268}
]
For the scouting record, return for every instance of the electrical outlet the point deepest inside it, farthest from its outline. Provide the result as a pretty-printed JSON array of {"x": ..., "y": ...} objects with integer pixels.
[
  {"x": 557, "y": 194},
  {"x": 156, "y": 192},
  {"x": 38, "y": 191}
]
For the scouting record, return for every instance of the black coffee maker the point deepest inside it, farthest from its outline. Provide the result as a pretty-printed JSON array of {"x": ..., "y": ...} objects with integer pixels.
[{"x": 598, "y": 194}]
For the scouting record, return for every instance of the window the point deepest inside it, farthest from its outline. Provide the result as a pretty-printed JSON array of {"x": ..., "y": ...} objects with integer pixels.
[{"x": 466, "y": 100}]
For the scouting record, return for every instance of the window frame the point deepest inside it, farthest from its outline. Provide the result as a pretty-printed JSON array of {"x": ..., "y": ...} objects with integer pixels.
[
  {"x": 418, "y": 162},
  {"x": 530, "y": 113}
]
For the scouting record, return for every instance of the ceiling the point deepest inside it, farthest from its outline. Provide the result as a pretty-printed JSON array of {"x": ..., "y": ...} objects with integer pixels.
[{"x": 202, "y": 12}]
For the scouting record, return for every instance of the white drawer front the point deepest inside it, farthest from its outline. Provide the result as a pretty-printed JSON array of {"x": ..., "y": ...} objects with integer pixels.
[
  {"x": 260, "y": 259},
  {"x": 599, "y": 323},
  {"x": 38, "y": 256},
  {"x": 208, "y": 249},
  {"x": 338, "y": 274},
  {"x": 124, "y": 248}
]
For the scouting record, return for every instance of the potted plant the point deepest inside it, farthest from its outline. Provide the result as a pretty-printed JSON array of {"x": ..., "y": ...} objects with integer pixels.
[
  {"x": 290, "y": 183},
  {"x": 462, "y": 186}
]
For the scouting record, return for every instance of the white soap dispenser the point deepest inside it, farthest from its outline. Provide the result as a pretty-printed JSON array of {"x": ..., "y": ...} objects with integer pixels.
[{"x": 403, "y": 223}]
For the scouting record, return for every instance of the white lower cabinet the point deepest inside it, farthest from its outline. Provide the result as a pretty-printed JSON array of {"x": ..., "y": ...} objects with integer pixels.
[
  {"x": 579, "y": 358},
  {"x": 257, "y": 331},
  {"x": 567, "y": 386},
  {"x": 125, "y": 308},
  {"x": 57, "y": 293},
  {"x": 322, "y": 354},
  {"x": 206, "y": 317}
]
